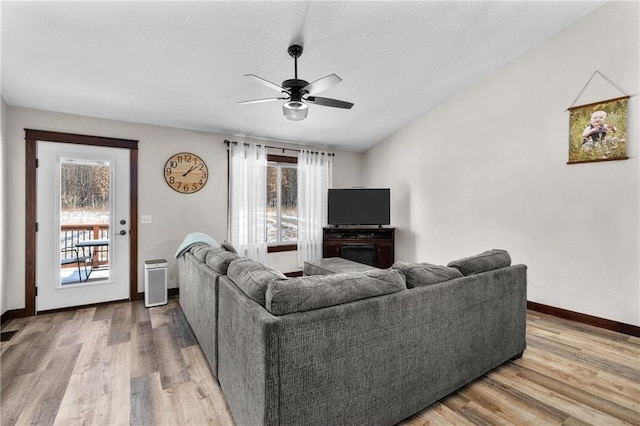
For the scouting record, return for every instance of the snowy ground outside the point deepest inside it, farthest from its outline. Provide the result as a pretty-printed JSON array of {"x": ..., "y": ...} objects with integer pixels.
[{"x": 84, "y": 217}]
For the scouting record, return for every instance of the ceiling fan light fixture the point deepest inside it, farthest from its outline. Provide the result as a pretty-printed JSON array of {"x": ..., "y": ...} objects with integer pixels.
[{"x": 295, "y": 110}]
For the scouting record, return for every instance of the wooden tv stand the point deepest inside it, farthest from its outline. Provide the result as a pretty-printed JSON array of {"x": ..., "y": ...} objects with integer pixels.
[{"x": 370, "y": 245}]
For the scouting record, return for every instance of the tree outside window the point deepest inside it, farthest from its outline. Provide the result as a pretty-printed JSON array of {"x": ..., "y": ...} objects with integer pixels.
[{"x": 282, "y": 203}]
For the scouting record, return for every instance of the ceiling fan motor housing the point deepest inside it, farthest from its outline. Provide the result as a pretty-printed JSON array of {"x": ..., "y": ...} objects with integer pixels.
[{"x": 295, "y": 87}]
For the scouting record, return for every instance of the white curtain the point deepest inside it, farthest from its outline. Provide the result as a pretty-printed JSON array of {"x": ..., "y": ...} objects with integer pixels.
[
  {"x": 314, "y": 181},
  {"x": 248, "y": 200}
]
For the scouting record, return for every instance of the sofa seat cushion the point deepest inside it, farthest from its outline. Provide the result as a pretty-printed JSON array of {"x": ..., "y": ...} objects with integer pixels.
[
  {"x": 220, "y": 259},
  {"x": 487, "y": 261},
  {"x": 422, "y": 274},
  {"x": 253, "y": 277},
  {"x": 320, "y": 291}
]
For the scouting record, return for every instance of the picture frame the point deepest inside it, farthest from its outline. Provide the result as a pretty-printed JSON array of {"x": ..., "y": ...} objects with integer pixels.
[{"x": 598, "y": 131}]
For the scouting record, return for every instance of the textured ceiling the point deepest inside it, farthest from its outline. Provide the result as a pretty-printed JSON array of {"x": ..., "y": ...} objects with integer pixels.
[{"x": 181, "y": 64}]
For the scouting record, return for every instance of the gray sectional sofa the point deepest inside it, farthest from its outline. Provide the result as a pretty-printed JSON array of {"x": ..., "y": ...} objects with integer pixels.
[{"x": 368, "y": 347}]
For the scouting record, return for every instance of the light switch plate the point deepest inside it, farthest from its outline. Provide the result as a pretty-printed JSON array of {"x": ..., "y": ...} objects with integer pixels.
[{"x": 146, "y": 218}]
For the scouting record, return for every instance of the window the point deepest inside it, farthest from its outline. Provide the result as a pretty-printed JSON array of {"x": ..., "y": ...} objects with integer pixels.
[{"x": 282, "y": 200}]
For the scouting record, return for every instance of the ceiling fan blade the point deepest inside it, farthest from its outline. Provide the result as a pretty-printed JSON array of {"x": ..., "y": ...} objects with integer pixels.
[
  {"x": 257, "y": 101},
  {"x": 329, "y": 102},
  {"x": 322, "y": 84},
  {"x": 265, "y": 82}
]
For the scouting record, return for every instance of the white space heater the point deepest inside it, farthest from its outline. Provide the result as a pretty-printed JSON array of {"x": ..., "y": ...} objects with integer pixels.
[{"x": 155, "y": 282}]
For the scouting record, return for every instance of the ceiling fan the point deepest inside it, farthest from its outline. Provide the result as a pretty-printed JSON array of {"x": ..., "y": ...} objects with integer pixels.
[{"x": 298, "y": 93}]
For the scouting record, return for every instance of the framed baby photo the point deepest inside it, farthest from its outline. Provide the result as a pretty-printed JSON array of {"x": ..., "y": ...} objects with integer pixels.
[{"x": 598, "y": 131}]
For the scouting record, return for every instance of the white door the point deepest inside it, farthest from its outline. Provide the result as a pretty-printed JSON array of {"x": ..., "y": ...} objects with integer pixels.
[{"x": 83, "y": 225}]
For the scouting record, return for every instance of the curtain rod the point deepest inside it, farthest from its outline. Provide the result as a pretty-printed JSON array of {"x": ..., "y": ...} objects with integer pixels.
[{"x": 228, "y": 142}]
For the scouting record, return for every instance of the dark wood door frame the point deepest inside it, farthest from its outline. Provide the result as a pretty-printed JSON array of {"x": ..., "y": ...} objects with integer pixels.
[{"x": 31, "y": 139}]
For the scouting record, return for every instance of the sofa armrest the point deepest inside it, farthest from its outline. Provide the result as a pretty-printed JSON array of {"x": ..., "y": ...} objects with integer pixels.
[{"x": 199, "y": 301}]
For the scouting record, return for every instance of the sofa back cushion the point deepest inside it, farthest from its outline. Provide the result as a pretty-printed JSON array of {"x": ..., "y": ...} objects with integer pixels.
[
  {"x": 422, "y": 274},
  {"x": 228, "y": 247},
  {"x": 320, "y": 291},
  {"x": 487, "y": 261},
  {"x": 220, "y": 259},
  {"x": 200, "y": 251},
  {"x": 253, "y": 277}
]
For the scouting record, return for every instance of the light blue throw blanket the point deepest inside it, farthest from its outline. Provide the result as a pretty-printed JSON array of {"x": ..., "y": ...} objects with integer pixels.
[{"x": 193, "y": 239}]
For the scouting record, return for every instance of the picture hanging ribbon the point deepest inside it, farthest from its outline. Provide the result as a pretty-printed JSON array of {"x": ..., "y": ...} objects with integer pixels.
[{"x": 608, "y": 80}]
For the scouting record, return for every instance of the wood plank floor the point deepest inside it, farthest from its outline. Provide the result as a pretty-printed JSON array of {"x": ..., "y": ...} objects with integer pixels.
[{"x": 125, "y": 364}]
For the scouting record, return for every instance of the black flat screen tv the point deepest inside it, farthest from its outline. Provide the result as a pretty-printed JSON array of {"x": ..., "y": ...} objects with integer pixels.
[{"x": 359, "y": 206}]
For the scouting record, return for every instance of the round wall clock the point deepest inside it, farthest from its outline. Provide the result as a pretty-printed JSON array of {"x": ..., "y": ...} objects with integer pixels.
[{"x": 186, "y": 173}]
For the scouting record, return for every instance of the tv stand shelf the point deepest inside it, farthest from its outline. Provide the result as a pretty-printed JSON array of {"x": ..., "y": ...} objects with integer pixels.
[{"x": 372, "y": 246}]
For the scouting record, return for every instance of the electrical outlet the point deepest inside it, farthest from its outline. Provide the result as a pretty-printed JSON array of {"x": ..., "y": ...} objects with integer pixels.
[{"x": 146, "y": 218}]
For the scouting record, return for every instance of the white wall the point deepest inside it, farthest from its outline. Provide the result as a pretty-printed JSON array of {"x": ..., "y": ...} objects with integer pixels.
[
  {"x": 4, "y": 244},
  {"x": 488, "y": 169},
  {"x": 173, "y": 215}
]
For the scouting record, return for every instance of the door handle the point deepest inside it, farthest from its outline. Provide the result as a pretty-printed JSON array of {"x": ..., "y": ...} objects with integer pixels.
[{"x": 123, "y": 232}]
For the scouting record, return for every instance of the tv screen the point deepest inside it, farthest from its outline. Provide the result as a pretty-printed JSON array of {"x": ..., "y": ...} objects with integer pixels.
[{"x": 359, "y": 206}]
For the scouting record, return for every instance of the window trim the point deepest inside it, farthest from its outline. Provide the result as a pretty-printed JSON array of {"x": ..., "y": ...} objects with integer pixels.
[
  {"x": 282, "y": 159},
  {"x": 277, "y": 248},
  {"x": 274, "y": 247}
]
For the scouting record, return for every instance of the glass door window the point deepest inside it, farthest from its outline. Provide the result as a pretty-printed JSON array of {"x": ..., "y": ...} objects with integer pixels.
[{"x": 85, "y": 188}]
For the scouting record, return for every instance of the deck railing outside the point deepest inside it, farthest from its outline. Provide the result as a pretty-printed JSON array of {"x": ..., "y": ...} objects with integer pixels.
[{"x": 70, "y": 235}]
